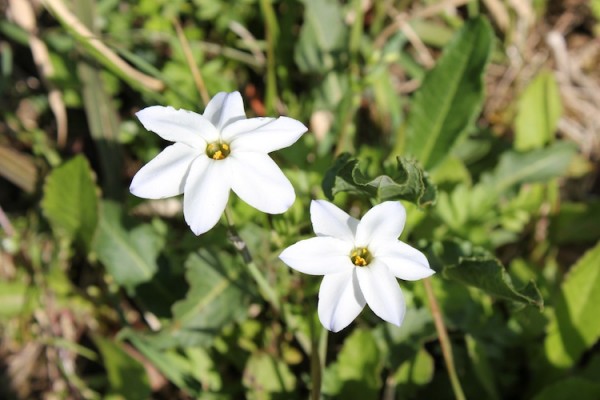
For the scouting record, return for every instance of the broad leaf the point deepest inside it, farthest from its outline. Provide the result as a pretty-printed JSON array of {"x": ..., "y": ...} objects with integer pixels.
[
  {"x": 538, "y": 112},
  {"x": 474, "y": 266},
  {"x": 356, "y": 374},
  {"x": 534, "y": 166},
  {"x": 490, "y": 275},
  {"x": 129, "y": 256},
  {"x": 407, "y": 182},
  {"x": 127, "y": 376},
  {"x": 451, "y": 94},
  {"x": 70, "y": 201},
  {"x": 576, "y": 326},
  {"x": 217, "y": 296},
  {"x": 417, "y": 370}
]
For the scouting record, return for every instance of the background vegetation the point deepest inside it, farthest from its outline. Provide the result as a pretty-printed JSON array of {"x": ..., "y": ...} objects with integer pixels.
[{"x": 482, "y": 116}]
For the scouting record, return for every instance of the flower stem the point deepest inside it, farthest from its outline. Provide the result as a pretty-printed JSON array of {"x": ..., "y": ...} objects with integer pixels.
[
  {"x": 265, "y": 288},
  {"x": 444, "y": 341}
]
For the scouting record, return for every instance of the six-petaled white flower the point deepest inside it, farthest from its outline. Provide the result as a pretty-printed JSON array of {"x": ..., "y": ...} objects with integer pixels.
[
  {"x": 213, "y": 153},
  {"x": 360, "y": 260}
]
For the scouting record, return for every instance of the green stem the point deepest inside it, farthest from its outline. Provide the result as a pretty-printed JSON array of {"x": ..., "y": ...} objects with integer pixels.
[
  {"x": 265, "y": 288},
  {"x": 271, "y": 33},
  {"x": 444, "y": 341}
]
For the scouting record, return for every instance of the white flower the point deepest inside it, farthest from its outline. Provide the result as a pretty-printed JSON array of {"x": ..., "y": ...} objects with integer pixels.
[
  {"x": 213, "y": 153},
  {"x": 360, "y": 260}
]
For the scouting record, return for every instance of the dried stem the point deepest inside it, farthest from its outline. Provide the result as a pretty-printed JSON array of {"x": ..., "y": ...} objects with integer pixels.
[
  {"x": 5, "y": 223},
  {"x": 189, "y": 57},
  {"x": 94, "y": 45},
  {"x": 444, "y": 340}
]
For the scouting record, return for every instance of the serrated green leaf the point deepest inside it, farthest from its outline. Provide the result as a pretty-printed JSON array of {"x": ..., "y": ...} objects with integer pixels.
[
  {"x": 576, "y": 326},
  {"x": 451, "y": 94},
  {"x": 127, "y": 376},
  {"x": 407, "y": 182},
  {"x": 129, "y": 256},
  {"x": 489, "y": 275},
  {"x": 216, "y": 297},
  {"x": 475, "y": 266},
  {"x": 70, "y": 201},
  {"x": 534, "y": 166},
  {"x": 538, "y": 112}
]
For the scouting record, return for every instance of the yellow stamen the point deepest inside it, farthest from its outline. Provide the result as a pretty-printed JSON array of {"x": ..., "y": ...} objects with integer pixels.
[
  {"x": 360, "y": 257},
  {"x": 217, "y": 151}
]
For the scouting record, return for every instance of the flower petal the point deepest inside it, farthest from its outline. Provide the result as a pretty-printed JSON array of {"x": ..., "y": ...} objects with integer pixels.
[
  {"x": 383, "y": 222},
  {"x": 206, "y": 194},
  {"x": 329, "y": 220},
  {"x": 164, "y": 176},
  {"x": 340, "y": 300},
  {"x": 318, "y": 256},
  {"x": 224, "y": 109},
  {"x": 257, "y": 180},
  {"x": 263, "y": 134},
  {"x": 404, "y": 261},
  {"x": 382, "y": 292},
  {"x": 179, "y": 126}
]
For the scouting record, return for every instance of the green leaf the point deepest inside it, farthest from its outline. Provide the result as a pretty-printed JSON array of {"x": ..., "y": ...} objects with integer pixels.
[
  {"x": 538, "y": 112},
  {"x": 451, "y": 95},
  {"x": 100, "y": 110},
  {"x": 475, "y": 266},
  {"x": 576, "y": 326},
  {"x": 321, "y": 36},
  {"x": 129, "y": 256},
  {"x": 481, "y": 366},
  {"x": 580, "y": 388},
  {"x": 356, "y": 374},
  {"x": 489, "y": 275},
  {"x": 70, "y": 201},
  {"x": 407, "y": 182},
  {"x": 13, "y": 297},
  {"x": 217, "y": 296},
  {"x": 127, "y": 377},
  {"x": 576, "y": 223},
  {"x": 171, "y": 364},
  {"x": 534, "y": 166},
  {"x": 417, "y": 370},
  {"x": 265, "y": 374}
]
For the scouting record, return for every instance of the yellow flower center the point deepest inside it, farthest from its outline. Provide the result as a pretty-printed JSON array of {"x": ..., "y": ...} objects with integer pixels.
[
  {"x": 360, "y": 257},
  {"x": 217, "y": 150}
]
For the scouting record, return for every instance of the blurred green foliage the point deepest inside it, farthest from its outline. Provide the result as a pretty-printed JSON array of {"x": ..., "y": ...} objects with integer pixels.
[{"x": 104, "y": 295}]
